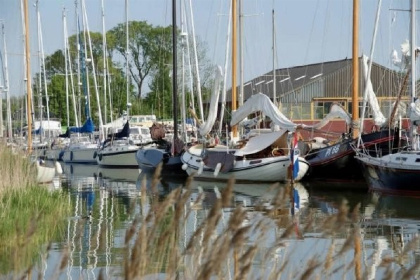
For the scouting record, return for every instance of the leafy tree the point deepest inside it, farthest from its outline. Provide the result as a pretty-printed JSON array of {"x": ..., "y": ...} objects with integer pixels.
[{"x": 147, "y": 47}]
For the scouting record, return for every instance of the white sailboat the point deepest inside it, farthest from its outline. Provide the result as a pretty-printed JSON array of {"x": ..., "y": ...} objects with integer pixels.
[
  {"x": 83, "y": 146},
  {"x": 265, "y": 157},
  {"x": 45, "y": 173},
  {"x": 398, "y": 172},
  {"x": 119, "y": 150}
]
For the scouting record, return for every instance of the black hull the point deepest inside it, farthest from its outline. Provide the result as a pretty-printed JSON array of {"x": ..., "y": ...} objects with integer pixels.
[
  {"x": 391, "y": 180},
  {"x": 149, "y": 159},
  {"x": 337, "y": 162}
]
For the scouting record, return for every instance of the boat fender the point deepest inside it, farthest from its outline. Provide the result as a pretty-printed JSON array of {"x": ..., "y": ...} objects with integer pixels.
[
  {"x": 277, "y": 152},
  {"x": 95, "y": 154},
  {"x": 184, "y": 166},
  {"x": 58, "y": 168},
  {"x": 217, "y": 169},
  {"x": 200, "y": 169},
  {"x": 100, "y": 156},
  {"x": 71, "y": 156}
]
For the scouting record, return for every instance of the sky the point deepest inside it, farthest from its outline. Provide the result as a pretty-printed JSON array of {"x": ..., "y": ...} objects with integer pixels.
[{"x": 306, "y": 31}]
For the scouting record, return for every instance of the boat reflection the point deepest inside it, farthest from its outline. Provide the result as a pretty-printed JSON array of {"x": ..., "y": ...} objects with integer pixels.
[{"x": 118, "y": 174}]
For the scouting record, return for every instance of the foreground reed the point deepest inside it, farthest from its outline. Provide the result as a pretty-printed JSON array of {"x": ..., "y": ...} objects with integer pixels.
[{"x": 244, "y": 244}]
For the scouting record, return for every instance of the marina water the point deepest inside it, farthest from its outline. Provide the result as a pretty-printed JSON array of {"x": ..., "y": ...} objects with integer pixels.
[{"x": 106, "y": 202}]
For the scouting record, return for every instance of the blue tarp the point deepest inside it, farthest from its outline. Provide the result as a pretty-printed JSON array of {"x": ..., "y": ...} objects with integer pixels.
[
  {"x": 88, "y": 127},
  {"x": 37, "y": 131}
]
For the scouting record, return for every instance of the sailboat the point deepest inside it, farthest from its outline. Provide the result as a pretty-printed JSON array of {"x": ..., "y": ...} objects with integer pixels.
[
  {"x": 266, "y": 157},
  {"x": 398, "y": 172},
  {"x": 45, "y": 173},
  {"x": 118, "y": 150},
  {"x": 336, "y": 161},
  {"x": 164, "y": 152},
  {"x": 83, "y": 147}
]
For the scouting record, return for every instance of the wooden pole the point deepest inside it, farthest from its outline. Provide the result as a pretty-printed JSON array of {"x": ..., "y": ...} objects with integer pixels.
[{"x": 355, "y": 95}]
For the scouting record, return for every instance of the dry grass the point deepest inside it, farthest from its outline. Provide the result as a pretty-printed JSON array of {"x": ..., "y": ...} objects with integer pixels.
[{"x": 231, "y": 251}]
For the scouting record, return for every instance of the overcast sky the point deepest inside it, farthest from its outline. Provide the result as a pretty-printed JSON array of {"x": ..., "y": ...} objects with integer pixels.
[{"x": 306, "y": 31}]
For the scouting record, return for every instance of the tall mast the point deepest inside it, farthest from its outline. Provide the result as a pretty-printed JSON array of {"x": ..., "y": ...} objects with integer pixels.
[
  {"x": 234, "y": 36},
  {"x": 174, "y": 72},
  {"x": 6, "y": 88},
  {"x": 126, "y": 57},
  {"x": 355, "y": 95},
  {"x": 66, "y": 67},
  {"x": 274, "y": 62},
  {"x": 104, "y": 73},
  {"x": 28, "y": 77},
  {"x": 79, "y": 82},
  {"x": 413, "y": 67}
]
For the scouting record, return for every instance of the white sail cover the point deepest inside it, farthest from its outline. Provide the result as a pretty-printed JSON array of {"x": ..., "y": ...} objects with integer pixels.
[
  {"x": 336, "y": 111},
  {"x": 261, "y": 102},
  {"x": 260, "y": 142},
  {"x": 378, "y": 117},
  {"x": 206, "y": 127}
]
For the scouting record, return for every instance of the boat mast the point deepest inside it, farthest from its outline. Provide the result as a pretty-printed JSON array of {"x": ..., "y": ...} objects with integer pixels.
[
  {"x": 28, "y": 77},
  {"x": 126, "y": 58},
  {"x": 355, "y": 95},
  {"x": 6, "y": 89},
  {"x": 104, "y": 73},
  {"x": 413, "y": 128},
  {"x": 174, "y": 72},
  {"x": 234, "y": 38},
  {"x": 274, "y": 62}
]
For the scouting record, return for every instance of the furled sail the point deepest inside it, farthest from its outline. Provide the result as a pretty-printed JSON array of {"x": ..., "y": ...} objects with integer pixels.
[
  {"x": 206, "y": 127},
  {"x": 378, "y": 117}
]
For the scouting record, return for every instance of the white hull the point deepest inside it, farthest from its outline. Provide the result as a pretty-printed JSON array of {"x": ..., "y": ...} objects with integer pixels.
[
  {"x": 269, "y": 169},
  {"x": 45, "y": 174},
  {"x": 118, "y": 156},
  {"x": 81, "y": 155}
]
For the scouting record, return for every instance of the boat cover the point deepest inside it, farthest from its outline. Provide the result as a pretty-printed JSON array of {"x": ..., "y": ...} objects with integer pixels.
[
  {"x": 261, "y": 102},
  {"x": 260, "y": 142}
]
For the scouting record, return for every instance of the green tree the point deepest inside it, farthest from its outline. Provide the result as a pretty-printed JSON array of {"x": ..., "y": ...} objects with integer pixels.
[{"x": 148, "y": 46}]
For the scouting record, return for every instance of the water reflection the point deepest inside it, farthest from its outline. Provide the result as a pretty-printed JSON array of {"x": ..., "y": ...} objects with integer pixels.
[{"x": 106, "y": 203}]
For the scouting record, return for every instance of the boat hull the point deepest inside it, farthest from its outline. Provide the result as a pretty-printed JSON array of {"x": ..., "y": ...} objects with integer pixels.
[
  {"x": 149, "y": 158},
  {"x": 269, "y": 169},
  {"x": 82, "y": 155},
  {"x": 386, "y": 174},
  {"x": 120, "y": 156},
  {"x": 337, "y": 161},
  {"x": 45, "y": 174}
]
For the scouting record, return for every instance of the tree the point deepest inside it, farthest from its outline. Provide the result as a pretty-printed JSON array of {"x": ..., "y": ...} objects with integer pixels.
[{"x": 148, "y": 47}]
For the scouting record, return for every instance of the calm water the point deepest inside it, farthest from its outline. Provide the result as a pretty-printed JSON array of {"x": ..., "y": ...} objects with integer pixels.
[{"x": 106, "y": 201}]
